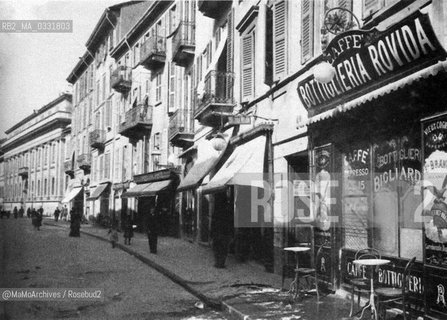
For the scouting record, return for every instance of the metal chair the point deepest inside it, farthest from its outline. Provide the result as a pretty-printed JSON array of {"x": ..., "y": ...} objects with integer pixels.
[
  {"x": 308, "y": 273},
  {"x": 361, "y": 285},
  {"x": 387, "y": 295}
]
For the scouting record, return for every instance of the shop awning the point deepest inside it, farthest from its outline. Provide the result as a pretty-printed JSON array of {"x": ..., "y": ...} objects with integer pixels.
[
  {"x": 147, "y": 189},
  {"x": 135, "y": 191},
  {"x": 431, "y": 71},
  {"x": 71, "y": 194},
  {"x": 207, "y": 160},
  {"x": 245, "y": 167},
  {"x": 97, "y": 192}
]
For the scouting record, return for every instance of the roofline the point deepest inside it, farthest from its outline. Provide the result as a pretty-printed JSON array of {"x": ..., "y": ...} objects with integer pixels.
[
  {"x": 64, "y": 96},
  {"x": 105, "y": 13},
  {"x": 118, "y": 51},
  {"x": 80, "y": 67}
]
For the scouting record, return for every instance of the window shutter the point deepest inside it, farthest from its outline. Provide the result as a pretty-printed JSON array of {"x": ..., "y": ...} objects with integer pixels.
[
  {"x": 307, "y": 31},
  {"x": 171, "y": 105},
  {"x": 247, "y": 66},
  {"x": 230, "y": 39},
  {"x": 280, "y": 39},
  {"x": 369, "y": 7}
]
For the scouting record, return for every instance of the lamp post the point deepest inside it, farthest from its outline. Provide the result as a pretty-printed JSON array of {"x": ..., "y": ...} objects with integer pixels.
[{"x": 218, "y": 142}]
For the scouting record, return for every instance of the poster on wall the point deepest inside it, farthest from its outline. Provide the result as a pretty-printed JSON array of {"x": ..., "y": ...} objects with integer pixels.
[
  {"x": 434, "y": 132},
  {"x": 322, "y": 188}
]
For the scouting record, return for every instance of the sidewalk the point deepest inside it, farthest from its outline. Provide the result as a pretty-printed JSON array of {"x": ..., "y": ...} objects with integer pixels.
[{"x": 245, "y": 290}]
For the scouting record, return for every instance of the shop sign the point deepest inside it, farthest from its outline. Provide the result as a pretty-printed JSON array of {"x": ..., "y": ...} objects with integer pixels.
[
  {"x": 389, "y": 275},
  {"x": 367, "y": 59},
  {"x": 165, "y": 174},
  {"x": 434, "y": 134},
  {"x": 436, "y": 292},
  {"x": 238, "y": 119}
]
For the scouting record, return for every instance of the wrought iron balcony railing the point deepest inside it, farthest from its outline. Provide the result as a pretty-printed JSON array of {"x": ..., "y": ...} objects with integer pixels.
[
  {"x": 121, "y": 79},
  {"x": 137, "y": 122},
  {"x": 184, "y": 43},
  {"x": 153, "y": 52},
  {"x": 23, "y": 172},
  {"x": 68, "y": 167},
  {"x": 97, "y": 138},
  {"x": 217, "y": 99},
  {"x": 84, "y": 161},
  {"x": 181, "y": 128}
]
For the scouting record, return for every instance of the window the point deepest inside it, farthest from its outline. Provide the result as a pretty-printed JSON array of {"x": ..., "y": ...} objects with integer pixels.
[
  {"x": 103, "y": 87},
  {"x": 172, "y": 91},
  {"x": 157, "y": 141},
  {"x": 248, "y": 45},
  {"x": 101, "y": 167},
  {"x": 117, "y": 164},
  {"x": 172, "y": 19},
  {"x": 45, "y": 185},
  {"x": 97, "y": 92},
  {"x": 158, "y": 84},
  {"x": 53, "y": 185},
  {"x": 38, "y": 188},
  {"x": 107, "y": 166},
  {"x": 382, "y": 197},
  {"x": 307, "y": 31},
  {"x": 280, "y": 39},
  {"x": 53, "y": 153}
]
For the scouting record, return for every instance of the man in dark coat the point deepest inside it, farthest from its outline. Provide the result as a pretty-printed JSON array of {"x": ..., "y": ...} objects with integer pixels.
[
  {"x": 15, "y": 212},
  {"x": 56, "y": 214},
  {"x": 75, "y": 224},
  {"x": 28, "y": 212},
  {"x": 128, "y": 230},
  {"x": 152, "y": 229}
]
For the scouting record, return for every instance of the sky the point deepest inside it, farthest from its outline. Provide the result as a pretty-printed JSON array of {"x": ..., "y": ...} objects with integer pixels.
[{"x": 34, "y": 66}]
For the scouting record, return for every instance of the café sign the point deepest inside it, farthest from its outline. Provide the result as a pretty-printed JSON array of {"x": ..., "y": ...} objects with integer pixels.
[{"x": 367, "y": 59}]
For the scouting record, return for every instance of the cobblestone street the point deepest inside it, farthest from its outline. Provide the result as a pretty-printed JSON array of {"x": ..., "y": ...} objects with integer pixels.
[{"x": 50, "y": 259}]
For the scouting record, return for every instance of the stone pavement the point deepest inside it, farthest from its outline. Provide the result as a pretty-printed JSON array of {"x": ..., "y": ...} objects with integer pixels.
[{"x": 245, "y": 290}]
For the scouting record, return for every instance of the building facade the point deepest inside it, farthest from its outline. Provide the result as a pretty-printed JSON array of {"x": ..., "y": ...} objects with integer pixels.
[
  {"x": 271, "y": 123},
  {"x": 34, "y": 149}
]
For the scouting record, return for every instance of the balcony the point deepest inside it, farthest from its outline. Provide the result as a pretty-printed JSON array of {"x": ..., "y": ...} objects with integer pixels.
[
  {"x": 84, "y": 161},
  {"x": 181, "y": 131},
  {"x": 23, "y": 172},
  {"x": 153, "y": 52},
  {"x": 137, "y": 122},
  {"x": 121, "y": 79},
  {"x": 216, "y": 101},
  {"x": 214, "y": 8},
  {"x": 68, "y": 168},
  {"x": 97, "y": 138},
  {"x": 184, "y": 43}
]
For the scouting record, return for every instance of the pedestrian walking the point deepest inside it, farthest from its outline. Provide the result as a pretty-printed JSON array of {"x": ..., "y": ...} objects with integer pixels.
[
  {"x": 75, "y": 224},
  {"x": 15, "y": 212},
  {"x": 152, "y": 228},
  {"x": 56, "y": 214},
  {"x": 64, "y": 213},
  {"x": 21, "y": 212},
  {"x": 128, "y": 230},
  {"x": 28, "y": 212},
  {"x": 36, "y": 218},
  {"x": 113, "y": 232}
]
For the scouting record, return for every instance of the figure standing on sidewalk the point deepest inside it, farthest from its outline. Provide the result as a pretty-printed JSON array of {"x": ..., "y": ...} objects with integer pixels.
[
  {"x": 56, "y": 214},
  {"x": 38, "y": 218},
  {"x": 128, "y": 230},
  {"x": 113, "y": 234},
  {"x": 15, "y": 212},
  {"x": 152, "y": 229},
  {"x": 75, "y": 223},
  {"x": 28, "y": 212},
  {"x": 21, "y": 212}
]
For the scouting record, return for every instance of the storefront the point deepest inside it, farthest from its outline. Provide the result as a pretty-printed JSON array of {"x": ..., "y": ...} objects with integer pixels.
[
  {"x": 156, "y": 190},
  {"x": 100, "y": 196},
  {"x": 120, "y": 204},
  {"x": 237, "y": 193},
  {"x": 369, "y": 164}
]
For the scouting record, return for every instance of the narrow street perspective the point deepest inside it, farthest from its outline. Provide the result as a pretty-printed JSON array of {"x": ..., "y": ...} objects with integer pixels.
[
  {"x": 224, "y": 159},
  {"x": 50, "y": 259}
]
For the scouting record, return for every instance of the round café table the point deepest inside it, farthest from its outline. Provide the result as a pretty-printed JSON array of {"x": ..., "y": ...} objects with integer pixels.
[
  {"x": 294, "y": 286},
  {"x": 371, "y": 263}
]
